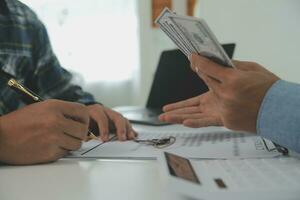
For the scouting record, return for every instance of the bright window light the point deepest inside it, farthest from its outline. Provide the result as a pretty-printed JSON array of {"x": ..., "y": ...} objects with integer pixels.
[{"x": 97, "y": 39}]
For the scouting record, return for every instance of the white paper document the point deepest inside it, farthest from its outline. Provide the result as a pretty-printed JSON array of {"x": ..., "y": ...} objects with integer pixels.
[
  {"x": 213, "y": 142},
  {"x": 262, "y": 178}
]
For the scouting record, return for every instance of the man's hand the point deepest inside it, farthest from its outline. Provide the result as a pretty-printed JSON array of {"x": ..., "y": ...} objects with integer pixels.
[
  {"x": 42, "y": 132},
  {"x": 200, "y": 111},
  {"x": 234, "y": 98},
  {"x": 238, "y": 92},
  {"x": 107, "y": 119}
]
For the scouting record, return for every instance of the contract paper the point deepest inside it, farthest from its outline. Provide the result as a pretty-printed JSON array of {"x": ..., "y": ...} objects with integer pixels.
[
  {"x": 208, "y": 143},
  {"x": 263, "y": 178}
]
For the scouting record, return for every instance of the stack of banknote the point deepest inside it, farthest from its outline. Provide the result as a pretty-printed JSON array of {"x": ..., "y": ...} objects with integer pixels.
[{"x": 192, "y": 35}]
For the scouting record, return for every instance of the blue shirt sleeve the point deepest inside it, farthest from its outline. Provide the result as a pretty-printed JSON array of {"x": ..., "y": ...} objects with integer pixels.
[{"x": 279, "y": 116}]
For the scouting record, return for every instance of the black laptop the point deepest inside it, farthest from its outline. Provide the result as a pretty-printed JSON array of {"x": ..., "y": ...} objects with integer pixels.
[{"x": 173, "y": 81}]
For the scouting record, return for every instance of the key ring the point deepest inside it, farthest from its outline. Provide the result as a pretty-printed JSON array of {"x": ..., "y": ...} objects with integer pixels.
[{"x": 158, "y": 143}]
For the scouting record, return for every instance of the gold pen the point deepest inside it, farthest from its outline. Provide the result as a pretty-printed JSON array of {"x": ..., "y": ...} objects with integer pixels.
[{"x": 29, "y": 96}]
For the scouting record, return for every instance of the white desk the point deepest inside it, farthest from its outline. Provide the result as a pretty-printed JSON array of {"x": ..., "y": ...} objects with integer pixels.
[{"x": 82, "y": 180}]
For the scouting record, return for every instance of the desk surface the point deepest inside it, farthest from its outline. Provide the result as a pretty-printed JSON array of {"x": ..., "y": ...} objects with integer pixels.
[{"x": 82, "y": 179}]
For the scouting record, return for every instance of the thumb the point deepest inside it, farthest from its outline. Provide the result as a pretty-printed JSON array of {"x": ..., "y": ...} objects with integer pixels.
[
  {"x": 244, "y": 66},
  {"x": 248, "y": 66}
]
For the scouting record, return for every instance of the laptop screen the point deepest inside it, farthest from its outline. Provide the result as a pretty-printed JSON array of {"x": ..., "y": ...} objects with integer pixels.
[{"x": 175, "y": 81}]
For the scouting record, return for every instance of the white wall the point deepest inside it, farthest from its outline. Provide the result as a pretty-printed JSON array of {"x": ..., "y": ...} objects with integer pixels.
[{"x": 266, "y": 31}]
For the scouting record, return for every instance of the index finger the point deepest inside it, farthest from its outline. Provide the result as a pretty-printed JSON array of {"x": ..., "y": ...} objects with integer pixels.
[
  {"x": 74, "y": 128},
  {"x": 181, "y": 104},
  {"x": 119, "y": 122},
  {"x": 75, "y": 111},
  {"x": 210, "y": 68}
]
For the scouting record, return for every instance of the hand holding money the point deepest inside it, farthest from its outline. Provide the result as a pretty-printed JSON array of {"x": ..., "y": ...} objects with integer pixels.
[{"x": 192, "y": 35}]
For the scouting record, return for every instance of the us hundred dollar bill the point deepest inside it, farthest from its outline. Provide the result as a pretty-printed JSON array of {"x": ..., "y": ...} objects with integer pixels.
[{"x": 192, "y": 35}]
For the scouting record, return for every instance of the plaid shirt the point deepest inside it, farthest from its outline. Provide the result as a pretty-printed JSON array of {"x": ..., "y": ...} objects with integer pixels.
[{"x": 26, "y": 53}]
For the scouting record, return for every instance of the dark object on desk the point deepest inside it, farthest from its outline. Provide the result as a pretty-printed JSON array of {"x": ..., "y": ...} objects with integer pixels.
[
  {"x": 158, "y": 143},
  {"x": 173, "y": 81}
]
